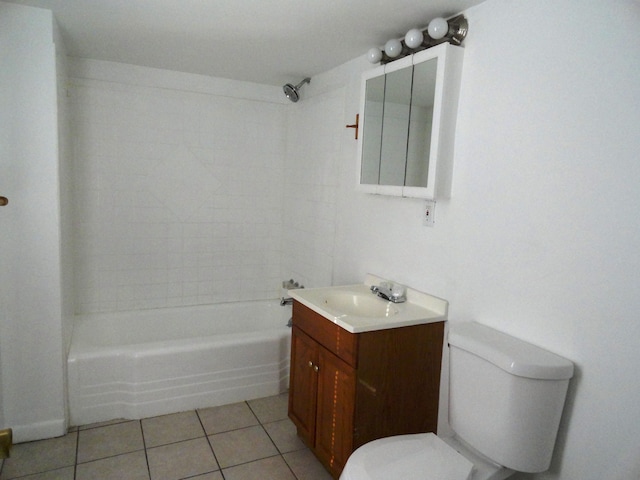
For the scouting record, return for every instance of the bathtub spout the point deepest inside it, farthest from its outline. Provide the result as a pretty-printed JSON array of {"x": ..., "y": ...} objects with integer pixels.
[{"x": 286, "y": 301}]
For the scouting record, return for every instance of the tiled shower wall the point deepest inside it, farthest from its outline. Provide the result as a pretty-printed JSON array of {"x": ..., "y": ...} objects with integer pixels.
[
  {"x": 178, "y": 196},
  {"x": 315, "y": 132}
]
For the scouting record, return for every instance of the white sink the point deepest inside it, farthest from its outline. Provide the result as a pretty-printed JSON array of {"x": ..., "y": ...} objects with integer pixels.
[
  {"x": 363, "y": 305},
  {"x": 356, "y": 309}
]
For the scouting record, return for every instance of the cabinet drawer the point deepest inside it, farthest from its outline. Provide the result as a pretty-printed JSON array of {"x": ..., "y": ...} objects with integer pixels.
[{"x": 332, "y": 337}]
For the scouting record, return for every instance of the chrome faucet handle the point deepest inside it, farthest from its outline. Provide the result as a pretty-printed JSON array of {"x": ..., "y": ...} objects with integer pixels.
[
  {"x": 392, "y": 292},
  {"x": 398, "y": 293}
]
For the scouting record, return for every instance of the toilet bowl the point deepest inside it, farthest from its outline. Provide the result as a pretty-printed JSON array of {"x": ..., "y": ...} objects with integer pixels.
[
  {"x": 505, "y": 402},
  {"x": 422, "y": 456}
]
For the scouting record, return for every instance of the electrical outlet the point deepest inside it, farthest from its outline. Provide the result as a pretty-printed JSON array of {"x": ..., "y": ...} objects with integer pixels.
[{"x": 428, "y": 215}]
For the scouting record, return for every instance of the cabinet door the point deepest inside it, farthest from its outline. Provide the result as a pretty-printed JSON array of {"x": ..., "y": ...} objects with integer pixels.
[
  {"x": 303, "y": 384},
  {"x": 335, "y": 411},
  {"x": 398, "y": 381}
]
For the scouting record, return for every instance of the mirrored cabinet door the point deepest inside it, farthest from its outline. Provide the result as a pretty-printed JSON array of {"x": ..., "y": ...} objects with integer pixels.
[
  {"x": 372, "y": 128},
  {"x": 409, "y": 109},
  {"x": 420, "y": 124},
  {"x": 395, "y": 124}
]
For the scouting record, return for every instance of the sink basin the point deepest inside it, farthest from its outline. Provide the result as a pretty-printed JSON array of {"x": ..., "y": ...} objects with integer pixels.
[
  {"x": 362, "y": 305},
  {"x": 356, "y": 309}
]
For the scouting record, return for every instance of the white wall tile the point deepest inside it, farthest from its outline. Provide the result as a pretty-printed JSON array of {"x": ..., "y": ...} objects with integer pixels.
[{"x": 161, "y": 176}]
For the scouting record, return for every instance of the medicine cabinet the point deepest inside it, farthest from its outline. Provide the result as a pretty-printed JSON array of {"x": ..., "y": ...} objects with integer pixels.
[{"x": 409, "y": 110}]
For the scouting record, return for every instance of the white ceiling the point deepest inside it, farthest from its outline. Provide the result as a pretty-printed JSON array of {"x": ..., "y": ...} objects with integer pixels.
[{"x": 264, "y": 41}]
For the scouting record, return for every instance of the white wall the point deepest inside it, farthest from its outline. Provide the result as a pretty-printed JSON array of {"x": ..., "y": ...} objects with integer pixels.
[
  {"x": 65, "y": 202},
  {"x": 31, "y": 343},
  {"x": 178, "y": 186},
  {"x": 540, "y": 236}
]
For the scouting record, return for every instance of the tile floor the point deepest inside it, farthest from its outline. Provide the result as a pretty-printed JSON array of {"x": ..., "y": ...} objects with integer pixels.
[{"x": 251, "y": 440}]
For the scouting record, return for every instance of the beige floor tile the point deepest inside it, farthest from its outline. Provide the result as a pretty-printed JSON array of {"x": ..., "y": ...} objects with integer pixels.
[
  {"x": 208, "y": 476},
  {"x": 65, "y": 473},
  {"x": 272, "y": 468},
  {"x": 227, "y": 417},
  {"x": 241, "y": 446},
  {"x": 270, "y": 409},
  {"x": 181, "y": 460},
  {"x": 108, "y": 441},
  {"x": 306, "y": 466},
  {"x": 171, "y": 428},
  {"x": 284, "y": 435},
  {"x": 177, "y": 448},
  {"x": 41, "y": 456},
  {"x": 130, "y": 466}
]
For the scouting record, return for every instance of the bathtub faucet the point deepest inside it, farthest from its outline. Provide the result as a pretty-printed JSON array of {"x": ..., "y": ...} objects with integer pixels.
[{"x": 289, "y": 285}]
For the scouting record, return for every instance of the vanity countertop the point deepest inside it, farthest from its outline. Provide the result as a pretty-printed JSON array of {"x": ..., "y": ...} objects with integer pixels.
[{"x": 356, "y": 309}]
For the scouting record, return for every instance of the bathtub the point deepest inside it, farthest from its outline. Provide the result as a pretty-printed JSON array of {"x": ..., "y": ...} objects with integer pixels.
[{"x": 152, "y": 362}]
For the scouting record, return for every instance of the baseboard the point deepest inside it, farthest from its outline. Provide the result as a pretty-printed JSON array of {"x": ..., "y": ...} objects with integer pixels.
[{"x": 39, "y": 431}]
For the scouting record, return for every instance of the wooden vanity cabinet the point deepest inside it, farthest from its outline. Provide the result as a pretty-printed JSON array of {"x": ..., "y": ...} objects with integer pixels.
[{"x": 348, "y": 389}]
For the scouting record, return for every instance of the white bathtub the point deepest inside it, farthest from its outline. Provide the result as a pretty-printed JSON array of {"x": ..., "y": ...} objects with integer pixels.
[{"x": 152, "y": 362}]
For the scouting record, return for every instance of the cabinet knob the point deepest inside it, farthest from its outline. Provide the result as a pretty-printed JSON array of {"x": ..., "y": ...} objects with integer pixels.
[
  {"x": 310, "y": 363},
  {"x": 316, "y": 368}
]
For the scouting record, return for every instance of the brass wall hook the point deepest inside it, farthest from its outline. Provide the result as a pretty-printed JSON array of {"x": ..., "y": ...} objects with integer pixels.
[{"x": 355, "y": 125}]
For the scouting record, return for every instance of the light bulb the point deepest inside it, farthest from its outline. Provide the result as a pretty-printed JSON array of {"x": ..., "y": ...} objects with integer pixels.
[
  {"x": 393, "y": 48},
  {"x": 413, "y": 38},
  {"x": 438, "y": 28},
  {"x": 374, "y": 55}
]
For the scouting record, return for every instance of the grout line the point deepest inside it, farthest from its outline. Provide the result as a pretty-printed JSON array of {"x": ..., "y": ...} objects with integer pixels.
[
  {"x": 255, "y": 460},
  {"x": 75, "y": 458},
  {"x": 289, "y": 467},
  {"x": 253, "y": 413},
  {"x": 173, "y": 443},
  {"x": 280, "y": 454},
  {"x": 144, "y": 445},
  {"x": 107, "y": 457},
  {"x": 107, "y": 423},
  {"x": 215, "y": 457}
]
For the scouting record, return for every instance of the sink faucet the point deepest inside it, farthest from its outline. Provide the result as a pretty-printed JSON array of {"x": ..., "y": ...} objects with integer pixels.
[{"x": 393, "y": 292}]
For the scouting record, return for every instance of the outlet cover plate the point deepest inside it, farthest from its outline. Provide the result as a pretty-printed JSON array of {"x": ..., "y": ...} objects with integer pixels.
[{"x": 429, "y": 212}]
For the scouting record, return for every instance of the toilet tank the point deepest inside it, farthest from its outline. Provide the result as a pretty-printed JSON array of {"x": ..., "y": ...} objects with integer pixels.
[{"x": 505, "y": 396}]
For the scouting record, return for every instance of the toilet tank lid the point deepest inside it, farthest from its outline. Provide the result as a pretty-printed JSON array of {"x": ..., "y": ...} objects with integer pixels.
[{"x": 515, "y": 356}]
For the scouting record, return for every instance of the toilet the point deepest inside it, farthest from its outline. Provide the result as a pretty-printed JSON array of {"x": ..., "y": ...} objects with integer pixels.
[{"x": 505, "y": 402}]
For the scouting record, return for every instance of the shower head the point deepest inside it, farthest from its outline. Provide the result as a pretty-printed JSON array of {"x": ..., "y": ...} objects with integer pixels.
[{"x": 291, "y": 92}]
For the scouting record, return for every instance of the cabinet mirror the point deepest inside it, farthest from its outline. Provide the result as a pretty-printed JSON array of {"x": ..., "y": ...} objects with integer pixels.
[
  {"x": 372, "y": 128},
  {"x": 395, "y": 126},
  {"x": 409, "y": 108}
]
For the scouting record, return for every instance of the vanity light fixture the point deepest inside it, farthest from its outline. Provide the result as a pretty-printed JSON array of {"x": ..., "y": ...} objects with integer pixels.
[{"x": 438, "y": 31}]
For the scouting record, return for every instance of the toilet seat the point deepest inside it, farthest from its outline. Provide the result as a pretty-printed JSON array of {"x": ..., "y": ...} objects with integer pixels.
[{"x": 421, "y": 456}]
